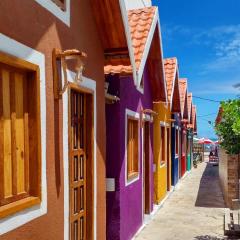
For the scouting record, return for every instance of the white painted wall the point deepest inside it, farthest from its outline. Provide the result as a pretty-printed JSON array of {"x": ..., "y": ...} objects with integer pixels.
[{"x": 133, "y": 4}]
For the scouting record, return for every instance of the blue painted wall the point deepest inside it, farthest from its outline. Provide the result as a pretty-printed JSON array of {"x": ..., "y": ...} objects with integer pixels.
[{"x": 174, "y": 157}]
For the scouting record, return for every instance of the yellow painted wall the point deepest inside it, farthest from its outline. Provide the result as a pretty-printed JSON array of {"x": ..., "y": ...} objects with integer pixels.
[{"x": 160, "y": 174}]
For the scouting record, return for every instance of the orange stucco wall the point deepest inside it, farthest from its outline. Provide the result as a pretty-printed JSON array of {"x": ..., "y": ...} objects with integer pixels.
[
  {"x": 34, "y": 26},
  {"x": 162, "y": 171}
]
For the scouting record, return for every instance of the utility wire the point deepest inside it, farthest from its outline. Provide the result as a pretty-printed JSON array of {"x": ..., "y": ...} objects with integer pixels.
[
  {"x": 207, "y": 99},
  {"x": 210, "y": 114},
  {"x": 209, "y": 122}
]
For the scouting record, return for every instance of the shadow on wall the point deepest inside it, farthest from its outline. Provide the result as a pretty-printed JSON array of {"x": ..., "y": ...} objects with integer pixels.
[{"x": 210, "y": 193}]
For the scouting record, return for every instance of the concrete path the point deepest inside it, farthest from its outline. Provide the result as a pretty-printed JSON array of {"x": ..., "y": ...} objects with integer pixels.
[{"x": 193, "y": 211}]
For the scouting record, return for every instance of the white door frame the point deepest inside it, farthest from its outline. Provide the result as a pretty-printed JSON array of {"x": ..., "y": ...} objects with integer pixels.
[{"x": 90, "y": 84}]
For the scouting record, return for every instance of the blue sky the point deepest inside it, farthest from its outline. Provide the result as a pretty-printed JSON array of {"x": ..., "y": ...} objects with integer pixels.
[{"x": 205, "y": 37}]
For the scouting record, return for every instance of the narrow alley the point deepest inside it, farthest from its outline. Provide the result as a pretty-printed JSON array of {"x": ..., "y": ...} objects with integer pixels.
[{"x": 194, "y": 210}]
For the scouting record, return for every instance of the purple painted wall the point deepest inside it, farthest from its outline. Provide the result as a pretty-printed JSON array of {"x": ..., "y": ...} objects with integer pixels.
[
  {"x": 113, "y": 162},
  {"x": 124, "y": 206}
]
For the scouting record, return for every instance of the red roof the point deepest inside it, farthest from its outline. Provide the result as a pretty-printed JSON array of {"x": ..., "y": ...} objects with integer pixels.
[
  {"x": 219, "y": 116},
  {"x": 194, "y": 117},
  {"x": 140, "y": 21},
  {"x": 183, "y": 92},
  {"x": 170, "y": 67},
  {"x": 189, "y": 100},
  {"x": 111, "y": 69}
]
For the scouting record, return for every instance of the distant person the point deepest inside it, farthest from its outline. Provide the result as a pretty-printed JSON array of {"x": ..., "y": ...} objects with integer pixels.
[{"x": 210, "y": 156}]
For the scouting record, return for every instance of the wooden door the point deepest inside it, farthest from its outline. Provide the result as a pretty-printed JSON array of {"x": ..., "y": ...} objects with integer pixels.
[
  {"x": 146, "y": 169},
  {"x": 77, "y": 166},
  {"x": 180, "y": 155},
  {"x": 168, "y": 160}
]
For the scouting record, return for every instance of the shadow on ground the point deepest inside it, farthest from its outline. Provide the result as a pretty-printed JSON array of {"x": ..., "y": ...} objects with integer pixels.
[
  {"x": 207, "y": 237},
  {"x": 209, "y": 193}
]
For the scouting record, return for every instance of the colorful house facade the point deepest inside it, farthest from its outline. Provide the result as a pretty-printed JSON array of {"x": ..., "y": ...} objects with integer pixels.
[
  {"x": 133, "y": 87},
  {"x": 184, "y": 121},
  {"x": 162, "y": 146},
  {"x": 162, "y": 133},
  {"x": 52, "y": 179},
  {"x": 172, "y": 82}
]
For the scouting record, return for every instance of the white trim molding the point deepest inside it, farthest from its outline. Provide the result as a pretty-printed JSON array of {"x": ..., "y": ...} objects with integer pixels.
[
  {"x": 130, "y": 113},
  {"x": 52, "y": 7},
  {"x": 173, "y": 84},
  {"x": 90, "y": 84},
  {"x": 129, "y": 39},
  {"x": 14, "y": 48},
  {"x": 163, "y": 124},
  {"x": 160, "y": 42},
  {"x": 147, "y": 48},
  {"x": 130, "y": 4}
]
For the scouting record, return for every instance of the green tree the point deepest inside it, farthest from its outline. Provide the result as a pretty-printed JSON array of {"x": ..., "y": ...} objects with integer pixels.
[{"x": 228, "y": 129}]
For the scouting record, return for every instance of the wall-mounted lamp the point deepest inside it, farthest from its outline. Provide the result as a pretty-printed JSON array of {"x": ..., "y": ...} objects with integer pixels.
[
  {"x": 146, "y": 111},
  {"x": 59, "y": 63}
]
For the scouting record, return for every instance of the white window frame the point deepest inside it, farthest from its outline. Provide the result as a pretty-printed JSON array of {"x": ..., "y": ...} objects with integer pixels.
[
  {"x": 165, "y": 125},
  {"x": 135, "y": 115},
  {"x": 14, "y": 48},
  {"x": 51, "y": 6}
]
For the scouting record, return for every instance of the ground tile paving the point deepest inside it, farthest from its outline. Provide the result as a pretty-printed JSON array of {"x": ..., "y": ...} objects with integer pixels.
[{"x": 193, "y": 211}]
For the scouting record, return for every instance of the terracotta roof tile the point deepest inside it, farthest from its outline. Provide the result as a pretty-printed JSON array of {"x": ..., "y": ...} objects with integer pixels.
[
  {"x": 194, "y": 116},
  {"x": 111, "y": 69},
  {"x": 183, "y": 91},
  {"x": 140, "y": 21},
  {"x": 170, "y": 65},
  {"x": 219, "y": 115},
  {"x": 189, "y": 100}
]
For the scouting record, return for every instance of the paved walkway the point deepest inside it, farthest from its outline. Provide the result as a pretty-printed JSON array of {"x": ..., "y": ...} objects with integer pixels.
[{"x": 194, "y": 211}]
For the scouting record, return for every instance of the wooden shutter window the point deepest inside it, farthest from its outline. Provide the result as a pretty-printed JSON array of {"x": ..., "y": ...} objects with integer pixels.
[
  {"x": 163, "y": 145},
  {"x": 132, "y": 149},
  {"x": 19, "y": 135}
]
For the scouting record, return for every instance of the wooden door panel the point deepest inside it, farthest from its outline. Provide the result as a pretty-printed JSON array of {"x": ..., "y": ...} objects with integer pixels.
[
  {"x": 7, "y": 152},
  {"x": 78, "y": 166},
  {"x": 19, "y": 132},
  {"x": 15, "y": 137}
]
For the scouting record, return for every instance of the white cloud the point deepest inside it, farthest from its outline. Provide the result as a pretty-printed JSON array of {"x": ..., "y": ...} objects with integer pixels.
[
  {"x": 218, "y": 69},
  {"x": 222, "y": 41},
  {"x": 216, "y": 88}
]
